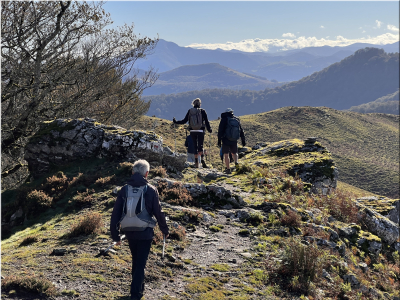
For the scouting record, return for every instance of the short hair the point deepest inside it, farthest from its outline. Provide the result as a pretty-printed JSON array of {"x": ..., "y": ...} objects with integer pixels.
[
  {"x": 141, "y": 166},
  {"x": 196, "y": 102}
]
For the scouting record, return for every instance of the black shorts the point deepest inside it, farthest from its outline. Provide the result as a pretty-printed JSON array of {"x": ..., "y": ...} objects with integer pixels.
[
  {"x": 229, "y": 148},
  {"x": 198, "y": 140}
]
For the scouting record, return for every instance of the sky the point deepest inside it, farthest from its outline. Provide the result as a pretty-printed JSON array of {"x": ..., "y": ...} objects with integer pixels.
[{"x": 261, "y": 25}]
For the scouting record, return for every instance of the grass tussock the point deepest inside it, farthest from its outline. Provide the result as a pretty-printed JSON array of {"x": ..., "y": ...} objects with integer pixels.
[
  {"x": 301, "y": 264},
  {"x": 30, "y": 284},
  {"x": 84, "y": 199},
  {"x": 28, "y": 241},
  {"x": 88, "y": 224}
]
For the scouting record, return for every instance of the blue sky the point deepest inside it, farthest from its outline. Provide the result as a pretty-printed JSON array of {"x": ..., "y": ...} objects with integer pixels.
[{"x": 261, "y": 25}]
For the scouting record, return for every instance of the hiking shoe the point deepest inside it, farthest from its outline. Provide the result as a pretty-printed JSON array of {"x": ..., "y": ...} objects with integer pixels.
[
  {"x": 227, "y": 171},
  {"x": 196, "y": 164},
  {"x": 203, "y": 163}
]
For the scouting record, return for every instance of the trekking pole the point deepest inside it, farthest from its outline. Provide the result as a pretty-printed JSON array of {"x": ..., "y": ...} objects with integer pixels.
[
  {"x": 175, "y": 140},
  {"x": 163, "y": 247}
]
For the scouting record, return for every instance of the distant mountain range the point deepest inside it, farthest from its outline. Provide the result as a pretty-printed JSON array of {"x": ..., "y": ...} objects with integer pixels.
[
  {"x": 207, "y": 76},
  {"x": 363, "y": 77},
  {"x": 283, "y": 66}
]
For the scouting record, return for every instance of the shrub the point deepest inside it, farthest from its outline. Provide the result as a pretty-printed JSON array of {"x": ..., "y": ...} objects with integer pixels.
[
  {"x": 341, "y": 206},
  {"x": 303, "y": 262},
  {"x": 38, "y": 201},
  {"x": 88, "y": 224},
  {"x": 177, "y": 233},
  {"x": 291, "y": 218},
  {"x": 177, "y": 194},
  {"x": 56, "y": 186},
  {"x": 83, "y": 199},
  {"x": 105, "y": 180},
  {"x": 28, "y": 240},
  {"x": 159, "y": 171},
  {"x": 125, "y": 168},
  {"x": 30, "y": 284}
]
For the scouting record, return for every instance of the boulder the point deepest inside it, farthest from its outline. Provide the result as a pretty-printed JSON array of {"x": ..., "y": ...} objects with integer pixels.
[{"x": 384, "y": 228}]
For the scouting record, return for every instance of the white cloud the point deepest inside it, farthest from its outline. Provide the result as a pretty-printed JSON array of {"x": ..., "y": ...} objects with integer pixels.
[
  {"x": 392, "y": 28},
  {"x": 288, "y": 35},
  {"x": 363, "y": 31},
  {"x": 322, "y": 26},
  {"x": 378, "y": 23},
  {"x": 276, "y": 45}
]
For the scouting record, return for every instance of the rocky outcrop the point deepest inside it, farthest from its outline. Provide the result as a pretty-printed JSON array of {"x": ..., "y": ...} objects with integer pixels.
[
  {"x": 62, "y": 141},
  {"x": 384, "y": 228},
  {"x": 307, "y": 159},
  {"x": 211, "y": 194},
  {"x": 389, "y": 208}
]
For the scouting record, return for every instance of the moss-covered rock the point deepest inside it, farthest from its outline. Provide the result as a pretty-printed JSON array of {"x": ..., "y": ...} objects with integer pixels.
[{"x": 307, "y": 159}]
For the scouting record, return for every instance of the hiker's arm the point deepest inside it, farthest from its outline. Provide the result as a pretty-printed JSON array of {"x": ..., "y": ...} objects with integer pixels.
[
  {"x": 221, "y": 130},
  {"x": 205, "y": 118},
  {"x": 242, "y": 135},
  {"x": 116, "y": 217},
  {"x": 184, "y": 121},
  {"x": 162, "y": 223}
]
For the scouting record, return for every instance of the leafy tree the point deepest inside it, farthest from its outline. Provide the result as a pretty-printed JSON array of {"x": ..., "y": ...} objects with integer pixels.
[{"x": 59, "y": 60}]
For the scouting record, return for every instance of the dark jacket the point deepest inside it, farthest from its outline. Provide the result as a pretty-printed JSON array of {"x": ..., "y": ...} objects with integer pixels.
[
  {"x": 222, "y": 128},
  {"x": 153, "y": 207},
  {"x": 189, "y": 145},
  {"x": 204, "y": 117}
]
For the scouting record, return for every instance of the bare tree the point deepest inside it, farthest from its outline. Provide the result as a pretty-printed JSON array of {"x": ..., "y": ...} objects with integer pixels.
[{"x": 58, "y": 60}]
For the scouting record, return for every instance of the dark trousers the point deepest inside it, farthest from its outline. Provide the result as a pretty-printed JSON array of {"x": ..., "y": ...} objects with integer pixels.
[
  {"x": 198, "y": 141},
  {"x": 140, "y": 251}
]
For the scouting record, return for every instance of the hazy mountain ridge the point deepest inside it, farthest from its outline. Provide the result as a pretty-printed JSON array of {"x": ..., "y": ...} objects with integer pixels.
[
  {"x": 283, "y": 66},
  {"x": 207, "y": 76},
  {"x": 365, "y": 76}
]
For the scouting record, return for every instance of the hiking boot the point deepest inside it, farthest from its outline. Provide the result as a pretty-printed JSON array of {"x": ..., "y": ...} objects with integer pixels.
[
  {"x": 196, "y": 164},
  {"x": 236, "y": 165},
  {"x": 203, "y": 163},
  {"x": 227, "y": 171}
]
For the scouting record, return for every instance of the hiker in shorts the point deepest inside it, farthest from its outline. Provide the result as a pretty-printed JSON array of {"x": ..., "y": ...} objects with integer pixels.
[
  {"x": 198, "y": 121},
  {"x": 136, "y": 220},
  {"x": 229, "y": 132}
]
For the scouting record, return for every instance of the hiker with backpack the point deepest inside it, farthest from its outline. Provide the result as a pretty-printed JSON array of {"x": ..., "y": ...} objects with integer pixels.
[
  {"x": 229, "y": 132},
  {"x": 134, "y": 210},
  {"x": 198, "y": 121}
]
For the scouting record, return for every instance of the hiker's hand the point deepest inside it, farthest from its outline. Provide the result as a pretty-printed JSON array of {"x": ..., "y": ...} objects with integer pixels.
[
  {"x": 174, "y": 120},
  {"x": 118, "y": 243}
]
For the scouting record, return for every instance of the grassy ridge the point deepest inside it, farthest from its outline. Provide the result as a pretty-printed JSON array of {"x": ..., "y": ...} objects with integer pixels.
[{"x": 365, "y": 147}]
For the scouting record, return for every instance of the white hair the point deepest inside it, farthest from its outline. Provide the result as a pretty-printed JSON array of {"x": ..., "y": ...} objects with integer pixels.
[{"x": 141, "y": 166}]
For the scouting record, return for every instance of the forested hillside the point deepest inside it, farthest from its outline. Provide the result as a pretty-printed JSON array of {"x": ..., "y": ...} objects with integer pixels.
[
  {"x": 360, "y": 78},
  {"x": 387, "y": 105},
  {"x": 207, "y": 76}
]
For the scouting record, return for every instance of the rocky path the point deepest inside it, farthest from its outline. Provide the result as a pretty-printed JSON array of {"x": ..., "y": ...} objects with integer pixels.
[{"x": 206, "y": 249}]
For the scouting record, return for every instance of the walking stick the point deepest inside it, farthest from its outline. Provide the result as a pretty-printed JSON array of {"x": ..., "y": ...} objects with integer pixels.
[
  {"x": 175, "y": 140},
  {"x": 163, "y": 248}
]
